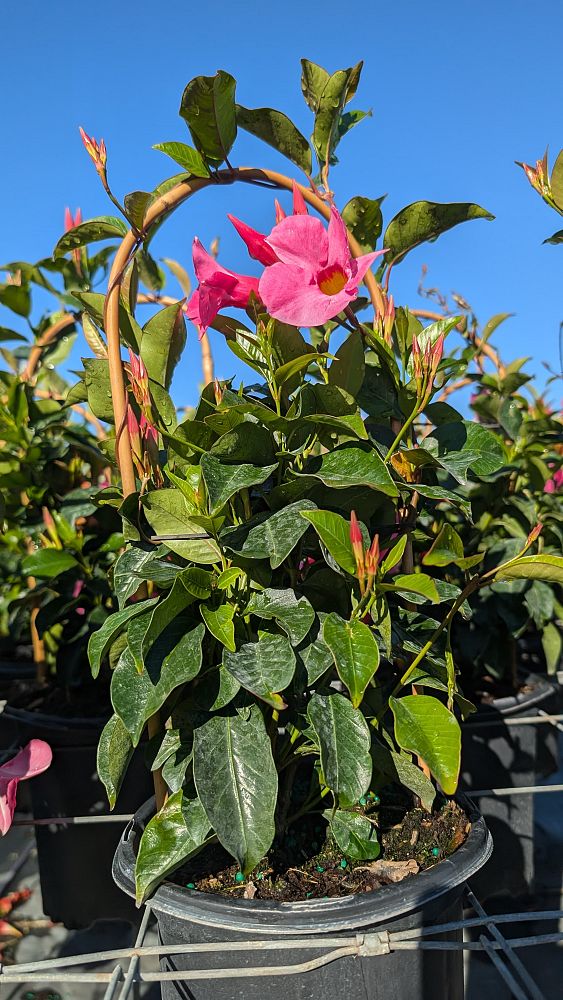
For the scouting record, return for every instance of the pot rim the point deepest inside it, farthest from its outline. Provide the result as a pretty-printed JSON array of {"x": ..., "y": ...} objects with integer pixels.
[
  {"x": 317, "y": 916},
  {"x": 515, "y": 703}
]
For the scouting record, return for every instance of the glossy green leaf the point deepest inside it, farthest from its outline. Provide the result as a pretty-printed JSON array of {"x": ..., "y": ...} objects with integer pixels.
[
  {"x": 135, "y": 204},
  {"x": 552, "y": 644},
  {"x": 223, "y": 481},
  {"x": 423, "y": 221},
  {"x": 168, "y": 513},
  {"x": 344, "y": 742},
  {"x": 229, "y": 577},
  {"x": 247, "y": 442},
  {"x": 219, "y": 621},
  {"x": 208, "y": 108},
  {"x": 278, "y": 131},
  {"x": 542, "y": 567},
  {"x": 466, "y": 445},
  {"x": 237, "y": 783},
  {"x": 394, "y": 556},
  {"x": 294, "y": 615},
  {"x": 351, "y": 466},
  {"x": 354, "y": 834},
  {"x": 161, "y": 617},
  {"x": 269, "y": 536},
  {"x": 162, "y": 343},
  {"x": 556, "y": 181},
  {"x": 364, "y": 219},
  {"x": 334, "y": 532},
  {"x": 126, "y": 578},
  {"x": 174, "y": 660},
  {"x": 48, "y": 563},
  {"x": 337, "y": 91},
  {"x": 186, "y": 156},
  {"x": 401, "y": 770},
  {"x": 348, "y": 368},
  {"x": 438, "y": 493},
  {"x": 447, "y": 548},
  {"x": 169, "y": 838},
  {"x": 17, "y": 298},
  {"x": 114, "y": 753},
  {"x": 355, "y": 652},
  {"x": 265, "y": 667},
  {"x": 103, "y": 227},
  {"x": 414, "y": 583},
  {"x": 100, "y": 642},
  {"x": 313, "y": 81},
  {"x": 425, "y": 727}
]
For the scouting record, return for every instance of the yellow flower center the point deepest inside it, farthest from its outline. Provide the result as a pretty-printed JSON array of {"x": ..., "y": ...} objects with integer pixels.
[{"x": 332, "y": 280}]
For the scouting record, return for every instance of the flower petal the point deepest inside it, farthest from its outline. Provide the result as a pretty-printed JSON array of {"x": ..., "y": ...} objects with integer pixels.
[
  {"x": 7, "y": 803},
  {"x": 338, "y": 248},
  {"x": 361, "y": 264},
  {"x": 299, "y": 203},
  {"x": 290, "y": 295},
  {"x": 301, "y": 241},
  {"x": 33, "y": 759},
  {"x": 255, "y": 242}
]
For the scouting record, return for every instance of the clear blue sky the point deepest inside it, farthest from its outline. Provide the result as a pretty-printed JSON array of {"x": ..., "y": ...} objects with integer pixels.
[{"x": 458, "y": 92}]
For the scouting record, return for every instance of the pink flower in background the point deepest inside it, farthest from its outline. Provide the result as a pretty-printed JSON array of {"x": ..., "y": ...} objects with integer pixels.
[
  {"x": 32, "y": 760},
  {"x": 71, "y": 221},
  {"x": 554, "y": 484},
  {"x": 218, "y": 288},
  {"x": 316, "y": 276}
]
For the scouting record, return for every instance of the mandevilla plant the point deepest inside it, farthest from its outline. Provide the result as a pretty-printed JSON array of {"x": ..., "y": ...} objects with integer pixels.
[{"x": 276, "y": 634}]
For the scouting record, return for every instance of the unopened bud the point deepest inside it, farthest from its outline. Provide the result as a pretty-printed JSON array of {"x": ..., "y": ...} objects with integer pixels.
[
  {"x": 357, "y": 545},
  {"x": 97, "y": 151}
]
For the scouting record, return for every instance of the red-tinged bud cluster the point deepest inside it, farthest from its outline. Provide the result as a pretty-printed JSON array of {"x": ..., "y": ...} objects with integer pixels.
[
  {"x": 219, "y": 391},
  {"x": 538, "y": 177},
  {"x": 385, "y": 320},
  {"x": 534, "y": 534},
  {"x": 143, "y": 436},
  {"x": 425, "y": 365},
  {"x": 366, "y": 562},
  {"x": 72, "y": 221},
  {"x": 97, "y": 150}
]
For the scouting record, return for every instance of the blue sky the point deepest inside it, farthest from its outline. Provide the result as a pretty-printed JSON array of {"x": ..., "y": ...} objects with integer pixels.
[{"x": 458, "y": 92}]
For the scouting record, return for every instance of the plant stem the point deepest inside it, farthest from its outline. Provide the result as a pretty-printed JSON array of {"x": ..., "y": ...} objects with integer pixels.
[{"x": 401, "y": 433}]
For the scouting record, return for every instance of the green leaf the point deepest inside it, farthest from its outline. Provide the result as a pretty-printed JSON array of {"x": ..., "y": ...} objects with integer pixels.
[
  {"x": 114, "y": 753},
  {"x": 100, "y": 642},
  {"x": 186, "y": 156},
  {"x": 425, "y": 727},
  {"x": 465, "y": 445},
  {"x": 169, "y": 513},
  {"x": 542, "y": 567},
  {"x": 354, "y": 834},
  {"x": 162, "y": 343},
  {"x": 17, "y": 298},
  {"x": 264, "y": 668},
  {"x": 348, "y": 368},
  {"x": 103, "y": 227},
  {"x": 423, "y": 221},
  {"x": 313, "y": 81},
  {"x": 237, "y": 783},
  {"x": 337, "y": 91},
  {"x": 438, "y": 493},
  {"x": 364, "y": 219},
  {"x": 334, "y": 532},
  {"x": 355, "y": 652},
  {"x": 428, "y": 336},
  {"x": 219, "y": 621},
  {"x": 555, "y": 238},
  {"x": 276, "y": 129},
  {"x": 169, "y": 838},
  {"x": 247, "y": 442},
  {"x": 269, "y": 536},
  {"x": 228, "y": 577},
  {"x": 344, "y": 742},
  {"x": 135, "y": 204},
  {"x": 414, "y": 583},
  {"x": 160, "y": 618},
  {"x": 552, "y": 643},
  {"x": 447, "y": 548},
  {"x": 295, "y": 615},
  {"x": 126, "y": 578},
  {"x": 223, "y": 481},
  {"x": 399, "y": 768},
  {"x": 352, "y": 466},
  {"x": 556, "y": 181},
  {"x": 291, "y": 368},
  {"x": 6, "y": 334},
  {"x": 316, "y": 657},
  {"x": 174, "y": 660},
  {"x": 208, "y": 108},
  {"x": 394, "y": 556},
  {"x": 48, "y": 563}
]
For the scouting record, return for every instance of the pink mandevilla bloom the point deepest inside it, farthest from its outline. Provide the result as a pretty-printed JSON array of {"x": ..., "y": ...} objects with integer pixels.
[
  {"x": 218, "y": 289},
  {"x": 316, "y": 276},
  {"x": 32, "y": 760}
]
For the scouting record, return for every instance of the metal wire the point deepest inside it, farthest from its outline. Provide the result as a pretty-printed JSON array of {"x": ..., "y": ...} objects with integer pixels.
[{"x": 511, "y": 956}]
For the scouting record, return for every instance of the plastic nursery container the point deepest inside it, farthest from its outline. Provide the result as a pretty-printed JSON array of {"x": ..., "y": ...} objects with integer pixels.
[
  {"x": 75, "y": 860},
  {"x": 497, "y": 755},
  {"x": 433, "y": 896}
]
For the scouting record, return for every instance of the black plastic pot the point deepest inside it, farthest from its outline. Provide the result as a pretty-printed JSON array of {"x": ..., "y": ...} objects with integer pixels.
[
  {"x": 75, "y": 861},
  {"x": 499, "y": 755},
  {"x": 435, "y": 895},
  {"x": 12, "y": 671}
]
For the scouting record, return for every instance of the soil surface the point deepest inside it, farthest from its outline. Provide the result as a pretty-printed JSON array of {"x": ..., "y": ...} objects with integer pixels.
[{"x": 308, "y": 864}]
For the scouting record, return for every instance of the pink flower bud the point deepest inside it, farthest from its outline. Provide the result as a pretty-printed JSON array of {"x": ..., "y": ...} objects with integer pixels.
[{"x": 97, "y": 150}]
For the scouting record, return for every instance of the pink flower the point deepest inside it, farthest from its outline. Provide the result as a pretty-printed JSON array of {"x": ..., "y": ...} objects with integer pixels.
[
  {"x": 218, "y": 289},
  {"x": 32, "y": 760},
  {"x": 316, "y": 276},
  {"x": 71, "y": 221},
  {"x": 553, "y": 485}
]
